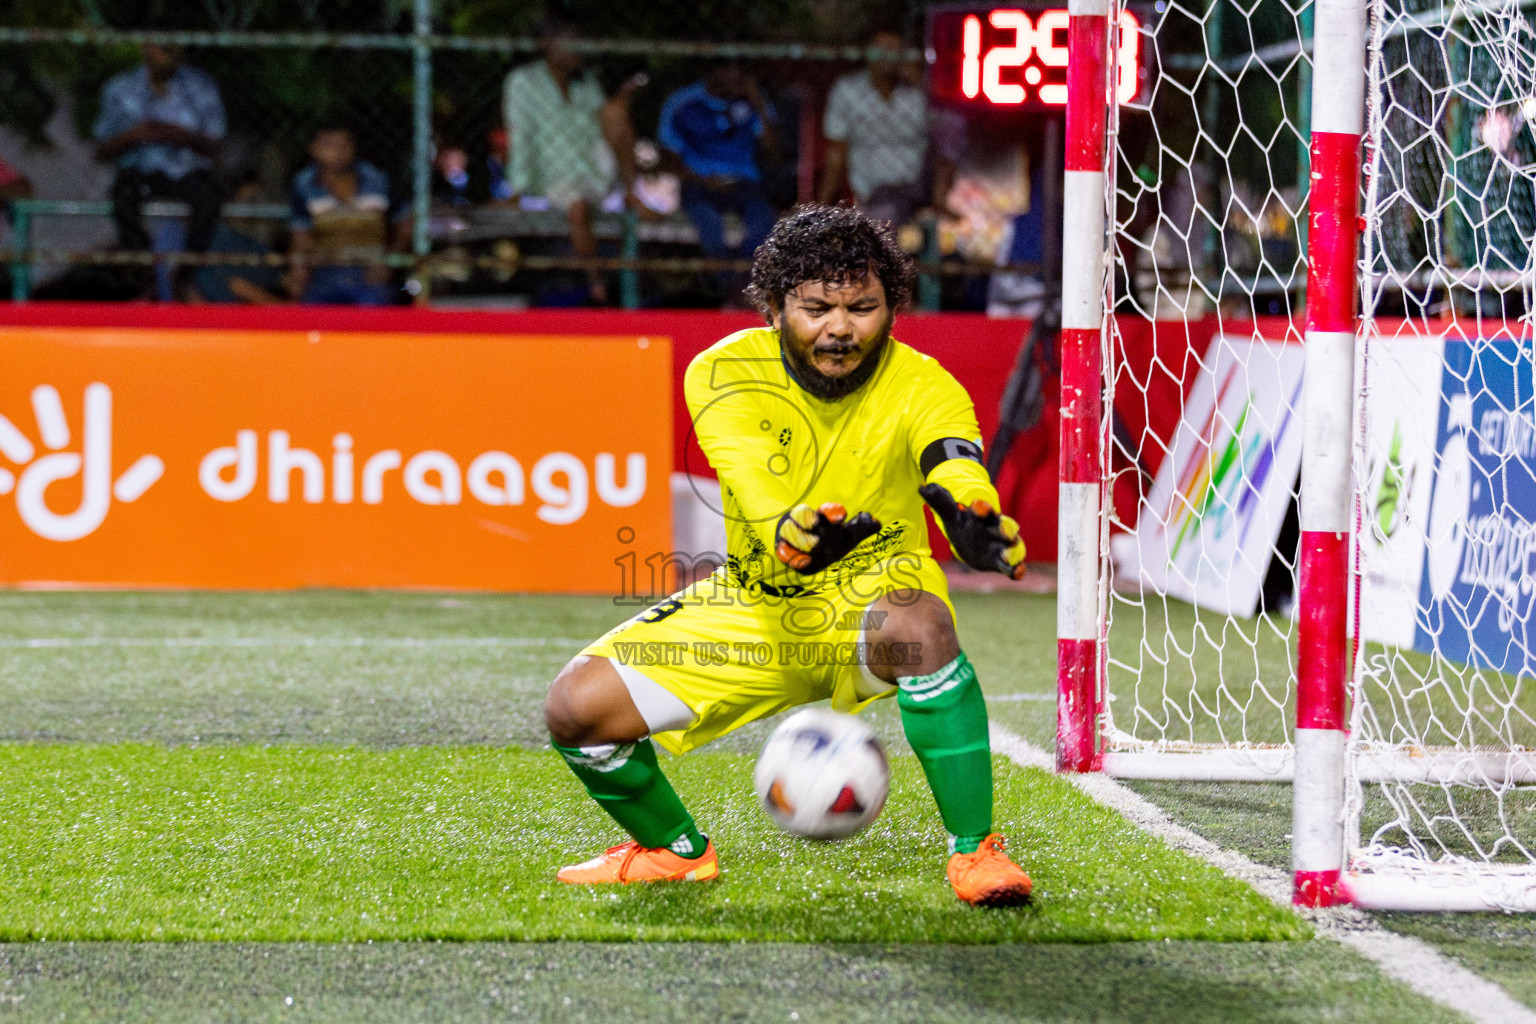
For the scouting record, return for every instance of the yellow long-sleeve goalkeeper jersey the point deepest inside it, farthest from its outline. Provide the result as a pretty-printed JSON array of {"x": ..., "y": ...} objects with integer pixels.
[{"x": 775, "y": 446}]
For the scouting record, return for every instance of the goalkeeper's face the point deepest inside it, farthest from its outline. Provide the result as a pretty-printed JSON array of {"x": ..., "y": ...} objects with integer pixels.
[{"x": 831, "y": 331}]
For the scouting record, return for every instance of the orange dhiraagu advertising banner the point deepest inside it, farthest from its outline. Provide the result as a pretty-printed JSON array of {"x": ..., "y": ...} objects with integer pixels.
[{"x": 267, "y": 459}]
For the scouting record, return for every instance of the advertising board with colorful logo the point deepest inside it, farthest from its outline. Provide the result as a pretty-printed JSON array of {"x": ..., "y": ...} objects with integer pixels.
[
  {"x": 1479, "y": 577},
  {"x": 256, "y": 459},
  {"x": 1216, "y": 507},
  {"x": 1400, "y": 380}
]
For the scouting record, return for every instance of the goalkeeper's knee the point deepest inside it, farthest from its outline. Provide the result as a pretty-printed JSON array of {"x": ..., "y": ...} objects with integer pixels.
[
  {"x": 586, "y": 704},
  {"x": 918, "y": 621}
]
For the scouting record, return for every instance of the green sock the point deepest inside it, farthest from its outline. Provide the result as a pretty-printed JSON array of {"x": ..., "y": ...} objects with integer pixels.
[
  {"x": 945, "y": 717},
  {"x": 627, "y": 782}
]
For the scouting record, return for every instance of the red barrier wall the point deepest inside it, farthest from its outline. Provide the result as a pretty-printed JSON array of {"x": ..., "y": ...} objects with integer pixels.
[
  {"x": 1160, "y": 362},
  {"x": 979, "y": 351}
]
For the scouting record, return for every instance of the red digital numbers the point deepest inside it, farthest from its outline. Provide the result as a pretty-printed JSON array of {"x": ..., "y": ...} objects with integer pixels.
[
  {"x": 982, "y": 72},
  {"x": 1010, "y": 57}
]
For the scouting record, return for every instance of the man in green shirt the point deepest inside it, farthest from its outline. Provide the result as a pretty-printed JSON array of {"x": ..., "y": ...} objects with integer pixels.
[{"x": 567, "y": 141}]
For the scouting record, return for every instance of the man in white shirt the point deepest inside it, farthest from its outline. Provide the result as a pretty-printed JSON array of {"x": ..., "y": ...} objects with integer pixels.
[{"x": 876, "y": 128}]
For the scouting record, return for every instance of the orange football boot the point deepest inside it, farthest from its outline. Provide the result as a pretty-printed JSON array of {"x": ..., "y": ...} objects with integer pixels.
[
  {"x": 987, "y": 878},
  {"x": 631, "y": 862}
]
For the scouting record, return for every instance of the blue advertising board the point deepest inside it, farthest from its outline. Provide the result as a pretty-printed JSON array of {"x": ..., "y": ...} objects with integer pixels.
[{"x": 1479, "y": 581}]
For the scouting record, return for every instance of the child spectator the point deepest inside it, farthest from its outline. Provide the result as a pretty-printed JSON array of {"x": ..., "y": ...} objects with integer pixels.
[{"x": 342, "y": 210}]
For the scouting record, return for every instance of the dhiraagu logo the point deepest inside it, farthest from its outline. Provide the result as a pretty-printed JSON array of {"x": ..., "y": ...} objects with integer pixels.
[{"x": 87, "y": 455}]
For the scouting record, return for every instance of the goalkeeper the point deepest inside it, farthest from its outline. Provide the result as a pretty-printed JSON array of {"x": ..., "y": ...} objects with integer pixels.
[{"x": 827, "y": 435}]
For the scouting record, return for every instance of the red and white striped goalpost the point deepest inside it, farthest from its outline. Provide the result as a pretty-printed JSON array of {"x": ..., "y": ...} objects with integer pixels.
[
  {"x": 1080, "y": 493},
  {"x": 1322, "y": 655}
]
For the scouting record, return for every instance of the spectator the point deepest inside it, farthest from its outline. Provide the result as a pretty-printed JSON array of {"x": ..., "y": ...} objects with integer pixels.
[
  {"x": 659, "y": 191},
  {"x": 342, "y": 210},
  {"x": 13, "y": 184},
  {"x": 451, "y": 182},
  {"x": 256, "y": 285},
  {"x": 500, "y": 189},
  {"x": 162, "y": 123},
  {"x": 714, "y": 127},
  {"x": 876, "y": 128},
  {"x": 568, "y": 142}
]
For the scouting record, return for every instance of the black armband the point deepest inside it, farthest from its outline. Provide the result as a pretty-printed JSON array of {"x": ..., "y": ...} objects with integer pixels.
[{"x": 947, "y": 448}]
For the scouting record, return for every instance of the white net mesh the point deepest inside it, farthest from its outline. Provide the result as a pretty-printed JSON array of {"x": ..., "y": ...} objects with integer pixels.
[
  {"x": 1209, "y": 171},
  {"x": 1446, "y": 451}
]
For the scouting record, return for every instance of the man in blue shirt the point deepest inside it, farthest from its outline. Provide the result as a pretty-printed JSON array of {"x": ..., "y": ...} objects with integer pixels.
[
  {"x": 714, "y": 128},
  {"x": 162, "y": 123}
]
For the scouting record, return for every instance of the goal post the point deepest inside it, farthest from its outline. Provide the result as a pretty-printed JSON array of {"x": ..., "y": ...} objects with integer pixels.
[
  {"x": 1084, "y": 207},
  {"x": 1326, "y": 497},
  {"x": 1298, "y": 428},
  {"x": 1146, "y": 277}
]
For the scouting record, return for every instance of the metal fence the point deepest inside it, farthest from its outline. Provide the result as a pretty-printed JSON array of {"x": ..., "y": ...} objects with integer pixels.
[{"x": 423, "y": 92}]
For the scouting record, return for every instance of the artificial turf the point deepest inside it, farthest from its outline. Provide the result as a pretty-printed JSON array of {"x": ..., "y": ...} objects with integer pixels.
[
  {"x": 377, "y": 669},
  {"x": 1254, "y": 818},
  {"x": 135, "y": 842},
  {"x": 775, "y": 983},
  {"x": 383, "y": 671}
]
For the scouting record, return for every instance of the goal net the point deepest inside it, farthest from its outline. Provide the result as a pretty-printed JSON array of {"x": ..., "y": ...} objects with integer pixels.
[
  {"x": 1441, "y": 805},
  {"x": 1209, "y": 169},
  {"x": 1210, "y": 393}
]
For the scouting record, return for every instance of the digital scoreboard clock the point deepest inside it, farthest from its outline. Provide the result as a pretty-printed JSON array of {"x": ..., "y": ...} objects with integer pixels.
[{"x": 1001, "y": 58}]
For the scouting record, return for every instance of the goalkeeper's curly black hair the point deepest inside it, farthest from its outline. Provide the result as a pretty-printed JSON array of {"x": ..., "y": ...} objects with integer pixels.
[{"x": 828, "y": 243}]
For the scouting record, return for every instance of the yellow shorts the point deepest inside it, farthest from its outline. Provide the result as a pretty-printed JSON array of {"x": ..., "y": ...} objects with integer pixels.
[{"x": 734, "y": 656}]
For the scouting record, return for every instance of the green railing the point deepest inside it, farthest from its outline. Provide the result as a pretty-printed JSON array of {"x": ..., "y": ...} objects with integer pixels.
[
  {"x": 626, "y": 228},
  {"x": 454, "y": 227}
]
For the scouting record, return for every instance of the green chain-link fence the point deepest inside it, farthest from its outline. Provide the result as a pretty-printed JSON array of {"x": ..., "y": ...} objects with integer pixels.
[{"x": 421, "y": 86}]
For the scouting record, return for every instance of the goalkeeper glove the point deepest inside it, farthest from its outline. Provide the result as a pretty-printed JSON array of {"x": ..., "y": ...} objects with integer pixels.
[
  {"x": 810, "y": 539},
  {"x": 980, "y": 537}
]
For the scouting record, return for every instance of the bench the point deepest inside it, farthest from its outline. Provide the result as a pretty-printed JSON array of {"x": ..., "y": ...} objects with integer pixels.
[
  {"x": 449, "y": 225},
  {"x": 25, "y": 211}
]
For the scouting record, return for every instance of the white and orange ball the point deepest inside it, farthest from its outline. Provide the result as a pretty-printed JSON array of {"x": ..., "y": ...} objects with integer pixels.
[{"x": 822, "y": 775}]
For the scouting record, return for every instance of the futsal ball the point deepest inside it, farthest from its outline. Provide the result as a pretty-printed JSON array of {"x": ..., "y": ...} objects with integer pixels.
[{"x": 822, "y": 775}]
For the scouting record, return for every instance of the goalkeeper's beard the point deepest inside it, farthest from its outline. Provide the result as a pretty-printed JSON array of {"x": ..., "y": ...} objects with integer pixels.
[{"x": 830, "y": 389}]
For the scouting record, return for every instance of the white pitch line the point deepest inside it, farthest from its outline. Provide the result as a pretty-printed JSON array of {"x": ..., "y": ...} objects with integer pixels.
[
  {"x": 1414, "y": 963},
  {"x": 284, "y": 641}
]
